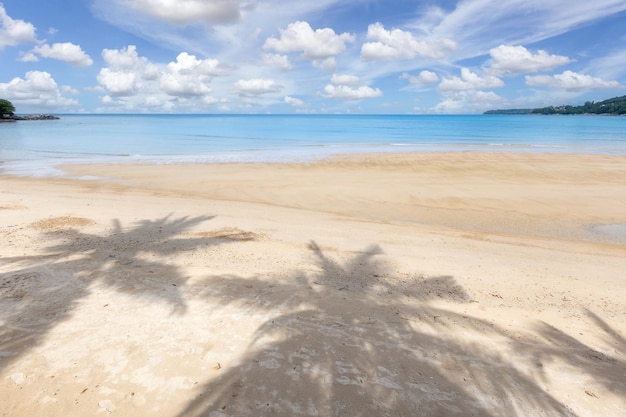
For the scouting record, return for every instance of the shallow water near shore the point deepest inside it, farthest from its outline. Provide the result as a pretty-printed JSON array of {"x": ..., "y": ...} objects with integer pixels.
[{"x": 34, "y": 148}]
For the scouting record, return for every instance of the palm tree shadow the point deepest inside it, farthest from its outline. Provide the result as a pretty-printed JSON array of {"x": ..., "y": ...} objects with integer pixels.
[
  {"x": 43, "y": 290},
  {"x": 357, "y": 340},
  {"x": 608, "y": 368}
]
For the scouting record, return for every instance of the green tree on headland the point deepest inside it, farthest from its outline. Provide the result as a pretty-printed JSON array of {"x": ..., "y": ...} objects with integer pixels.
[
  {"x": 6, "y": 107},
  {"x": 614, "y": 106}
]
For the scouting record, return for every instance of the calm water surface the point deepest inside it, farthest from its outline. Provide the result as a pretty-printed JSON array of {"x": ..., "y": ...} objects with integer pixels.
[{"x": 34, "y": 147}]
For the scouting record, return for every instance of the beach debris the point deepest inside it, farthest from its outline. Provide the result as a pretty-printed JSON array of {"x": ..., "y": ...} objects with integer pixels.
[
  {"x": 591, "y": 394},
  {"x": 217, "y": 366}
]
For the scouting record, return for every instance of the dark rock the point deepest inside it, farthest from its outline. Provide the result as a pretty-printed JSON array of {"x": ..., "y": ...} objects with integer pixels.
[{"x": 35, "y": 117}]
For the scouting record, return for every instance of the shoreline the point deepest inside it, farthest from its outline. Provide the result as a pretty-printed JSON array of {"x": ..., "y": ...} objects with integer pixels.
[
  {"x": 388, "y": 283},
  {"x": 400, "y": 188}
]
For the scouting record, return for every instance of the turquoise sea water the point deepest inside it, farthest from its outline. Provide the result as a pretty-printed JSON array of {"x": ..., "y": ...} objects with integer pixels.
[{"x": 35, "y": 147}]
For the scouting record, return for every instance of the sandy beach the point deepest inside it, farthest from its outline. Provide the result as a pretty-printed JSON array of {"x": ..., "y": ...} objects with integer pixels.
[{"x": 414, "y": 284}]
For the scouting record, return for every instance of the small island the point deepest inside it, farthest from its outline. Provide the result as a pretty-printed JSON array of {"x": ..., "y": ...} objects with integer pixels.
[
  {"x": 612, "y": 106},
  {"x": 7, "y": 113}
]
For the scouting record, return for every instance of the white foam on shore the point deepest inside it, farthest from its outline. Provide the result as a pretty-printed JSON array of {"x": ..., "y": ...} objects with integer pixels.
[{"x": 44, "y": 164}]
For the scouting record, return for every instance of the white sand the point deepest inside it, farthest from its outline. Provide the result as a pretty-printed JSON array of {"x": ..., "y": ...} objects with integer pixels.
[{"x": 403, "y": 285}]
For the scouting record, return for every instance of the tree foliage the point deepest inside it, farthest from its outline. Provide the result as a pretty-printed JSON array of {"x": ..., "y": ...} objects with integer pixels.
[
  {"x": 6, "y": 107},
  {"x": 614, "y": 106}
]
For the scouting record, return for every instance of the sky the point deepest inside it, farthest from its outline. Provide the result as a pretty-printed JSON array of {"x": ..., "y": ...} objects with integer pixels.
[{"x": 309, "y": 56}]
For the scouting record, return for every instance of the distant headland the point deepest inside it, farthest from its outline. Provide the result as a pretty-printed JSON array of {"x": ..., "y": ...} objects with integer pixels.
[
  {"x": 7, "y": 113},
  {"x": 612, "y": 106}
]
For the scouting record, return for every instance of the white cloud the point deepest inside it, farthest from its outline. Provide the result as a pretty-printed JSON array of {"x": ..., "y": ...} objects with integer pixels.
[
  {"x": 126, "y": 58},
  {"x": 190, "y": 11},
  {"x": 400, "y": 44},
  {"x": 570, "y": 80},
  {"x": 66, "y": 89},
  {"x": 14, "y": 31},
  {"x": 28, "y": 57},
  {"x": 468, "y": 102},
  {"x": 189, "y": 76},
  {"x": 119, "y": 83},
  {"x": 294, "y": 102},
  {"x": 184, "y": 86},
  {"x": 126, "y": 71},
  {"x": 338, "y": 79},
  {"x": 507, "y": 59},
  {"x": 347, "y": 87},
  {"x": 129, "y": 74},
  {"x": 315, "y": 45},
  {"x": 469, "y": 81},
  {"x": 38, "y": 88},
  {"x": 478, "y": 24},
  {"x": 326, "y": 64},
  {"x": 347, "y": 92},
  {"x": 277, "y": 61},
  {"x": 256, "y": 86},
  {"x": 609, "y": 66},
  {"x": 67, "y": 52},
  {"x": 424, "y": 77},
  {"x": 189, "y": 65}
]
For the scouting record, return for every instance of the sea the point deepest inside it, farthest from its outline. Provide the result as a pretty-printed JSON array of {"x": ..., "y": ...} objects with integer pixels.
[{"x": 34, "y": 148}]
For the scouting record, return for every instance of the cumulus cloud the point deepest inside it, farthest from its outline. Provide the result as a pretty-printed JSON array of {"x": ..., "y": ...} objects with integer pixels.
[
  {"x": 256, "y": 86},
  {"x": 469, "y": 81},
  {"x": 129, "y": 74},
  {"x": 326, "y": 64},
  {"x": 185, "y": 12},
  {"x": 119, "y": 83},
  {"x": 14, "y": 31},
  {"x": 346, "y": 87},
  {"x": 294, "y": 102},
  {"x": 467, "y": 101},
  {"x": 570, "y": 80},
  {"x": 400, "y": 44},
  {"x": 314, "y": 45},
  {"x": 68, "y": 52},
  {"x": 126, "y": 58},
  {"x": 187, "y": 64},
  {"x": 38, "y": 88},
  {"x": 424, "y": 77},
  {"x": 507, "y": 59},
  {"x": 126, "y": 71},
  {"x": 338, "y": 79},
  {"x": 28, "y": 57},
  {"x": 278, "y": 61},
  {"x": 346, "y": 92}
]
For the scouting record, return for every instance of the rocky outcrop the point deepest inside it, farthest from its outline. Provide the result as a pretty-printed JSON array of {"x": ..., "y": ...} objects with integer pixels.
[{"x": 33, "y": 117}]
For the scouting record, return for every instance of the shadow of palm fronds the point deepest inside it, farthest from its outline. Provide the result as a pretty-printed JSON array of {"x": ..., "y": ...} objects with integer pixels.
[
  {"x": 356, "y": 339},
  {"x": 41, "y": 291}
]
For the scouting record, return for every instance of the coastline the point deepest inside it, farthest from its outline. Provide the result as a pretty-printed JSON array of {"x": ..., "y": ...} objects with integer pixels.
[
  {"x": 467, "y": 282},
  {"x": 527, "y": 194}
]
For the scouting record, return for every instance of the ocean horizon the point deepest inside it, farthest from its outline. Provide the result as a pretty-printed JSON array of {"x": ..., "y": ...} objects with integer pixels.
[{"x": 34, "y": 148}]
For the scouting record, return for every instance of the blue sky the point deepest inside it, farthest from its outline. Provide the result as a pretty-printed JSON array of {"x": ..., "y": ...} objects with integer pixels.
[{"x": 309, "y": 56}]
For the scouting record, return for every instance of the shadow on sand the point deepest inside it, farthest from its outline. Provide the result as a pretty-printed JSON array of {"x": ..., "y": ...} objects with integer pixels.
[
  {"x": 42, "y": 291},
  {"x": 353, "y": 338},
  {"x": 357, "y": 340}
]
